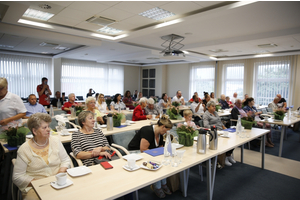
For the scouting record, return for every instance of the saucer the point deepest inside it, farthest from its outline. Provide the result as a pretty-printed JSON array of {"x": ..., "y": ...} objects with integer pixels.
[
  {"x": 102, "y": 126},
  {"x": 131, "y": 170},
  {"x": 29, "y": 136},
  {"x": 224, "y": 136},
  {"x": 54, "y": 184},
  {"x": 128, "y": 124},
  {"x": 65, "y": 134}
]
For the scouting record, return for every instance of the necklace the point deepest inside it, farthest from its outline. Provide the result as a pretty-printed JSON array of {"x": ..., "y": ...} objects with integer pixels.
[{"x": 40, "y": 145}]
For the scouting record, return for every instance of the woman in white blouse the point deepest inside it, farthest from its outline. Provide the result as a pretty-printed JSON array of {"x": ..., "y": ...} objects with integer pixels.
[
  {"x": 101, "y": 104},
  {"x": 116, "y": 103},
  {"x": 165, "y": 102},
  {"x": 212, "y": 98},
  {"x": 40, "y": 157}
]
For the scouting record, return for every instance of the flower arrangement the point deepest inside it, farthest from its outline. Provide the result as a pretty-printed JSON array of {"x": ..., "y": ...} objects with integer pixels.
[
  {"x": 186, "y": 134},
  {"x": 15, "y": 135},
  {"x": 175, "y": 104},
  {"x": 173, "y": 113},
  {"x": 135, "y": 104},
  {"x": 117, "y": 118},
  {"x": 218, "y": 107},
  {"x": 78, "y": 109},
  {"x": 248, "y": 121},
  {"x": 279, "y": 114}
]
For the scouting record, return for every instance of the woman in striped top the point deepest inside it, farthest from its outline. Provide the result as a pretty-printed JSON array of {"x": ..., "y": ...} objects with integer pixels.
[{"x": 88, "y": 143}]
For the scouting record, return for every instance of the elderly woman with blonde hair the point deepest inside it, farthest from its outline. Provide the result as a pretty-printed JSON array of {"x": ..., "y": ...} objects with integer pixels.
[
  {"x": 151, "y": 108},
  {"x": 139, "y": 111},
  {"x": 90, "y": 104},
  {"x": 40, "y": 157}
]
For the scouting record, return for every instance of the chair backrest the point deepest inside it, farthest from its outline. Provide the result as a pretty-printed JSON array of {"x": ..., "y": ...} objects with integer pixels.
[
  {"x": 80, "y": 98},
  {"x": 123, "y": 139},
  {"x": 269, "y": 109}
]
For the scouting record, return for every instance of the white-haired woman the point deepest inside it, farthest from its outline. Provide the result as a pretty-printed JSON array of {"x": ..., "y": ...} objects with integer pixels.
[
  {"x": 70, "y": 103},
  {"x": 151, "y": 108},
  {"x": 139, "y": 111},
  {"x": 90, "y": 104}
]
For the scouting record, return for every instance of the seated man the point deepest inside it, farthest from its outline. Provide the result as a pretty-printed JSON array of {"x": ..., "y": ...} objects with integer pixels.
[
  {"x": 151, "y": 108},
  {"x": 192, "y": 99},
  {"x": 274, "y": 104},
  {"x": 223, "y": 102},
  {"x": 139, "y": 111},
  {"x": 70, "y": 103},
  {"x": 33, "y": 107},
  {"x": 57, "y": 99},
  {"x": 178, "y": 98},
  {"x": 282, "y": 102},
  {"x": 197, "y": 106}
]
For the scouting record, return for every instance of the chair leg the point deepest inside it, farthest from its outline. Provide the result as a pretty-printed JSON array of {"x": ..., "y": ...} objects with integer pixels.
[{"x": 249, "y": 145}]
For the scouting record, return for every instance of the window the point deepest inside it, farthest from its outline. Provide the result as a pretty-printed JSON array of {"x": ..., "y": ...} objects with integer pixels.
[
  {"x": 148, "y": 82},
  {"x": 202, "y": 78},
  {"x": 272, "y": 78},
  {"x": 234, "y": 79},
  {"x": 24, "y": 73},
  {"x": 79, "y": 76}
]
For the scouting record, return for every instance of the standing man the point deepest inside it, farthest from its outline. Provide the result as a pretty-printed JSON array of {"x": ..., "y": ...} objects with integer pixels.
[
  {"x": 44, "y": 92},
  {"x": 234, "y": 98},
  {"x": 282, "y": 102},
  {"x": 179, "y": 98},
  {"x": 33, "y": 107}
]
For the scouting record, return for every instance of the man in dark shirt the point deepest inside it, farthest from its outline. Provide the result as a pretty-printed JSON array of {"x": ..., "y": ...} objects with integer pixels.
[
  {"x": 282, "y": 102},
  {"x": 90, "y": 94},
  {"x": 57, "y": 98},
  {"x": 223, "y": 102}
]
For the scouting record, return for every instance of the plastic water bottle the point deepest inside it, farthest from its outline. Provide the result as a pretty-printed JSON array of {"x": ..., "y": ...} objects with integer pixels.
[
  {"x": 51, "y": 111},
  {"x": 239, "y": 125},
  {"x": 289, "y": 114},
  {"x": 119, "y": 109}
]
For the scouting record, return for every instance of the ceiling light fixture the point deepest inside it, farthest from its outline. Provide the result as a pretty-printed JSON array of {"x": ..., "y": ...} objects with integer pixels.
[
  {"x": 263, "y": 55},
  {"x": 168, "y": 23},
  {"x": 37, "y": 14},
  {"x": 157, "y": 13},
  {"x": 23, "y": 21},
  {"x": 109, "y": 37},
  {"x": 109, "y": 30},
  {"x": 186, "y": 52},
  {"x": 213, "y": 58}
]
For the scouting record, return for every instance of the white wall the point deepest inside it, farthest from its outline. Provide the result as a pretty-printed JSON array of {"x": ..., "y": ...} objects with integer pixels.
[
  {"x": 57, "y": 75},
  {"x": 131, "y": 78}
]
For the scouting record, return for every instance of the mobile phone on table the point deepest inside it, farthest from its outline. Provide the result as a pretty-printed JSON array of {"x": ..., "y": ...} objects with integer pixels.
[{"x": 106, "y": 165}]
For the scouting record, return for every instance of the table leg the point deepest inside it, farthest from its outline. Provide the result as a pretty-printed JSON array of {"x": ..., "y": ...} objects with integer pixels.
[
  {"x": 184, "y": 181},
  {"x": 210, "y": 174},
  {"x": 242, "y": 154},
  {"x": 263, "y": 138},
  {"x": 283, "y": 129}
]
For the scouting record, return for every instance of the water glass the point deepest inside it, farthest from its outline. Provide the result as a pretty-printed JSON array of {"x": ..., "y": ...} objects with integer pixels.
[{"x": 180, "y": 155}]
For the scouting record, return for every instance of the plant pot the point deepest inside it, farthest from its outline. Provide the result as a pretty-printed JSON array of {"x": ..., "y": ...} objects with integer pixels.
[
  {"x": 116, "y": 123},
  {"x": 14, "y": 141},
  {"x": 185, "y": 139},
  {"x": 279, "y": 117},
  {"x": 247, "y": 124}
]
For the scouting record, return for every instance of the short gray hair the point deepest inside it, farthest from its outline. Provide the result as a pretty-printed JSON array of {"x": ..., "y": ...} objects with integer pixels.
[
  {"x": 210, "y": 103},
  {"x": 82, "y": 116},
  {"x": 276, "y": 98},
  {"x": 71, "y": 95},
  {"x": 150, "y": 101},
  {"x": 89, "y": 99},
  {"x": 143, "y": 100},
  {"x": 35, "y": 120}
]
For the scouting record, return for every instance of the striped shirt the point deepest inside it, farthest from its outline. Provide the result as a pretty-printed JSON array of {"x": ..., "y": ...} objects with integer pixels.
[{"x": 87, "y": 142}]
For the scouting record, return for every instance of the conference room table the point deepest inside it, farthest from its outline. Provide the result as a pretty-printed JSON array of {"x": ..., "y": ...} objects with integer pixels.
[
  {"x": 284, "y": 124},
  {"x": 117, "y": 182}
]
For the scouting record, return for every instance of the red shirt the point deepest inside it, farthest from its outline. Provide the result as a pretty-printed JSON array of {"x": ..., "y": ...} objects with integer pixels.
[
  {"x": 68, "y": 105},
  {"x": 192, "y": 100},
  {"x": 138, "y": 114},
  {"x": 44, "y": 99}
]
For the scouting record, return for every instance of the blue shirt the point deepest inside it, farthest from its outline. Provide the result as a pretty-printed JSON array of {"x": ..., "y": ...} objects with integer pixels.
[
  {"x": 224, "y": 104},
  {"x": 31, "y": 109}
]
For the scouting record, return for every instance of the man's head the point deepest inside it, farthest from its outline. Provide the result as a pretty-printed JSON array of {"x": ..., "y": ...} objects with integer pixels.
[
  {"x": 57, "y": 94},
  {"x": 3, "y": 86},
  {"x": 196, "y": 93},
  {"x": 32, "y": 99},
  {"x": 178, "y": 94},
  {"x": 276, "y": 100},
  {"x": 246, "y": 96},
  {"x": 223, "y": 97},
  {"x": 44, "y": 80},
  {"x": 196, "y": 98},
  {"x": 279, "y": 96},
  {"x": 235, "y": 95},
  {"x": 151, "y": 103},
  {"x": 238, "y": 103}
]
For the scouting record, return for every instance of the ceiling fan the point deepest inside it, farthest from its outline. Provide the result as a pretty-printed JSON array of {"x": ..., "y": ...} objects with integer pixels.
[{"x": 172, "y": 45}]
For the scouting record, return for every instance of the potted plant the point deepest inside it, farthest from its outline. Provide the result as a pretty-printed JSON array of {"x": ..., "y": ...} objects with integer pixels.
[
  {"x": 175, "y": 104},
  {"x": 15, "y": 136},
  {"x": 247, "y": 122},
  {"x": 173, "y": 113},
  {"x": 117, "y": 118},
  {"x": 218, "y": 107},
  {"x": 78, "y": 109},
  {"x": 186, "y": 134},
  {"x": 279, "y": 114}
]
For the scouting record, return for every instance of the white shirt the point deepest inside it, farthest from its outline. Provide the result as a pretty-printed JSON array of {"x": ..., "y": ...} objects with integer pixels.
[
  {"x": 200, "y": 110},
  {"x": 10, "y": 106},
  {"x": 233, "y": 99},
  {"x": 102, "y": 107},
  {"x": 160, "y": 104},
  {"x": 116, "y": 106},
  {"x": 176, "y": 99}
]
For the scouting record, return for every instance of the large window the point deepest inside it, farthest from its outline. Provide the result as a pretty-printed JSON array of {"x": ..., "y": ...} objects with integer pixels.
[
  {"x": 24, "y": 73},
  {"x": 202, "y": 79},
  {"x": 234, "y": 79},
  {"x": 79, "y": 76},
  {"x": 272, "y": 78}
]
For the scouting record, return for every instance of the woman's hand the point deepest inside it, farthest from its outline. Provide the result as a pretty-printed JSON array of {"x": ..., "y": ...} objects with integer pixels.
[
  {"x": 149, "y": 116},
  {"x": 62, "y": 170},
  {"x": 106, "y": 154},
  {"x": 96, "y": 152}
]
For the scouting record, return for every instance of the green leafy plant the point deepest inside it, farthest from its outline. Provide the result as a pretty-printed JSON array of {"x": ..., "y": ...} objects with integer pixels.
[
  {"x": 175, "y": 104},
  {"x": 135, "y": 104},
  {"x": 78, "y": 109},
  {"x": 173, "y": 113},
  {"x": 186, "y": 134},
  {"x": 248, "y": 121},
  {"x": 218, "y": 107},
  {"x": 15, "y": 135},
  {"x": 117, "y": 118},
  {"x": 279, "y": 114}
]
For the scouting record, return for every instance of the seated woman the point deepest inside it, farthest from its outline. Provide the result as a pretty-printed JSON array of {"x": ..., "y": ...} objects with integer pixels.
[
  {"x": 40, "y": 157},
  {"x": 70, "y": 103},
  {"x": 127, "y": 100},
  {"x": 101, "y": 104},
  {"x": 205, "y": 101},
  {"x": 151, "y": 108},
  {"x": 116, "y": 103},
  {"x": 211, "y": 118},
  {"x": 249, "y": 107},
  {"x": 223, "y": 102},
  {"x": 88, "y": 143},
  {"x": 237, "y": 110},
  {"x": 188, "y": 115},
  {"x": 140, "y": 95},
  {"x": 139, "y": 111},
  {"x": 212, "y": 97},
  {"x": 90, "y": 104},
  {"x": 150, "y": 137},
  {"x": 229, "y": 102},
  {"x": 165, "y": 101}
]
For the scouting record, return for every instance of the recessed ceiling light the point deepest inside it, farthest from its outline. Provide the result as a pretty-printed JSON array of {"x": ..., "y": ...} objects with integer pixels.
[
  {"x": 109, "y": 30},
  {"x": 6, "y": 46},
  {"x": 61, "y": 48},
  {"x": 44, "y": 52},
  {"x": 23, "y": 21},
  {"x": 168, "y": 23},
  {"x": 218, "y": 50},
  {"x": 157, "y": 13},
  {"x": 37, "y": 14},
  {"x": 109, "y": 37}
]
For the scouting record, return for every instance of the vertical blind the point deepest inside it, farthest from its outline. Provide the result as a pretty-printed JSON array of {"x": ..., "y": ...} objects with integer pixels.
[
  {"x": 202, "y": 78},
  {"x": 79, "y": 76},
  {"x": 234, "y": 79},
  {"x": 272, "y": 77},
  {"x": 24, "y": 73}
]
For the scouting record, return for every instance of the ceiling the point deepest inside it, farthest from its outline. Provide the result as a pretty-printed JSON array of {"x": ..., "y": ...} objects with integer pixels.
[{"x": 212, "y": 30}]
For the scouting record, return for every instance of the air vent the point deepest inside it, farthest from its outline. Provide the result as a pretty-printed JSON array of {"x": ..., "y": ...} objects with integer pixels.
[
  {"x": 267, "y": 45},
  {"x": 45, "y": 44},
  {"x": 100, "y": 21},
  {"x": 45, "y": 6}
]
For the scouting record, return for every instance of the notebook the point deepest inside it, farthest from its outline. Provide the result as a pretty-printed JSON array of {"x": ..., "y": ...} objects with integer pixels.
[
  {"x": 10, "y": 148},
  {"x": 155, "y": 152},
  {"x": 229, "y": 130}
]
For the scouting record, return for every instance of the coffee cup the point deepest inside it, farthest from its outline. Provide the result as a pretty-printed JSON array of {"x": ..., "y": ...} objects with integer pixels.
[
  {"x": 61, "y": 179},
  {"x": 127, "y": 109},
  {"x": 131, "y": 163},
  {"x": 225, "y": 133},
  {"x": 153, "y": 116}
]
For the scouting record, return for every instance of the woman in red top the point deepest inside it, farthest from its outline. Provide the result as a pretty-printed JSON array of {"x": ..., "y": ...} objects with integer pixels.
[
  {"x": 70, "y": 103},
  {"x": 127, "y": 100},
  {"x": 139, "y": 111},
  {"x": 229, "y": 102}
]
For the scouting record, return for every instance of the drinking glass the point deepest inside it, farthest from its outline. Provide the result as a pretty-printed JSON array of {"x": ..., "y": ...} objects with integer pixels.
[{"x": 180, "y": 155}]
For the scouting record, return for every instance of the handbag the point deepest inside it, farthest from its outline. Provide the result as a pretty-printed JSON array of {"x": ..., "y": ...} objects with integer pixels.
[{"x": 100, "y": 159}]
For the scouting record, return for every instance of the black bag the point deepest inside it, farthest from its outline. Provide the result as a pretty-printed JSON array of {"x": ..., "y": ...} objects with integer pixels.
[{"x": 104, "y": 159}]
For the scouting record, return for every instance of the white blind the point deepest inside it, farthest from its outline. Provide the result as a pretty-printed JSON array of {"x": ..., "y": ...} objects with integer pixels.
[
  {"x": 202, "y": 78},
  {"x": 234, "y": 79},
  {"x": 24, "y": 73},
  {"x": 272, "y": 77},
  {"x": 79, "y": 76}
]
